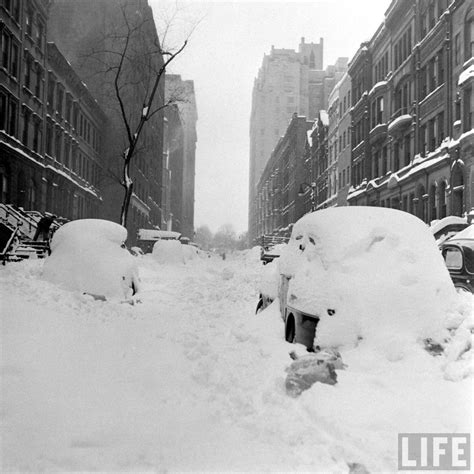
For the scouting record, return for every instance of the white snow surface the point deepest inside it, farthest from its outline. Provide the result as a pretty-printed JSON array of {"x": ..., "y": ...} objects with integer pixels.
[
  {"x": 173, "y": 252},
  {"x": 192, "y": 380},
  {"x": 86, "y": 256}
]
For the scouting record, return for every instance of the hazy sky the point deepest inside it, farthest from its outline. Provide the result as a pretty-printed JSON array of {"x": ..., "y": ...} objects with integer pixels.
[{"x": 223, "y": 56}]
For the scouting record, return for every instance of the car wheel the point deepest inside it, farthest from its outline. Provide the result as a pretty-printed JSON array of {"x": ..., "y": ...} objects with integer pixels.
[{"x": 290, "y": 329}]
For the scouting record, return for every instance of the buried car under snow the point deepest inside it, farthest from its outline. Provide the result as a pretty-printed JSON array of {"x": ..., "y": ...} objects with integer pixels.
[
  {"x": 352, "y": 265},
  {"x": 458, "y": 253},
  {"x": 88, "y": 255}
]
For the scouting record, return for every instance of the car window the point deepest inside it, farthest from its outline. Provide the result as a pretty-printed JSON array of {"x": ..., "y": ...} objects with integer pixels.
[
  {"x": 469, "y": 258},
  {"x": 453, "y": 258}
]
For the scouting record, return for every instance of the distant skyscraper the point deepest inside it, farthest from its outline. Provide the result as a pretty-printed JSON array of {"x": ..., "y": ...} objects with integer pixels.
[{"x": 288, "y": 81}]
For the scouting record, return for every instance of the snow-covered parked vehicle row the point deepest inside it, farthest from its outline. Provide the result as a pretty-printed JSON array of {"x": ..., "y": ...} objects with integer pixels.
[
  {"x": 458, "y": 253},
  {"x": 346, "y": 267}
]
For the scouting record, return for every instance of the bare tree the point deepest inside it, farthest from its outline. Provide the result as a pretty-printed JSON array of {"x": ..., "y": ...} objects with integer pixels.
[{"x": 134, "y": 62}]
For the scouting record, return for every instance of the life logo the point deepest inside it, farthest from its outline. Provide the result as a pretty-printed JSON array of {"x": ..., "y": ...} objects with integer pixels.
[{"x": 434, "y": 451}]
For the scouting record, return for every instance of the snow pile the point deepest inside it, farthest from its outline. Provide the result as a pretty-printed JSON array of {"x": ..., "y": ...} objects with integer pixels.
[
  {"x": 269, "y": 279},
  {"x": 168, "y": 252},
  {"x": 368, "y": 273},
  {"x": 86, "y": 255},
  {"x": 189, "y": 252},
  {"x": 458, "y": 350},
  {"x": 467, "y": 233},
  {"x": 93, "y": 387}
]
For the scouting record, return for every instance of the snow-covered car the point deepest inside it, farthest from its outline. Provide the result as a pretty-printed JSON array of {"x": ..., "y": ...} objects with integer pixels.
[
  {"x": 458, "y": 253},
  {"x": 89, "y": 255},
  {"x": 445, "y": 228},
  {"x": 352, "y": 265}
]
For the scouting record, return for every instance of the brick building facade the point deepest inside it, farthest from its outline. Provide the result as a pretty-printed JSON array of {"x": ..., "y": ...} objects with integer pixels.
[
  {"x": 278, "y": 203},
  {"x": 50, "y": 126},
  {"x": 412, "y": 138}
]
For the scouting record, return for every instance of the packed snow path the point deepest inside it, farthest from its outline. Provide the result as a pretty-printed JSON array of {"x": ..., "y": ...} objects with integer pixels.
[{"x": 191, "y": 379}]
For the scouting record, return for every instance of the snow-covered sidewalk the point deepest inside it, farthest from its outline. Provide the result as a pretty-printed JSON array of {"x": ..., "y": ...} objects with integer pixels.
[{"x": 192, "y": 380}]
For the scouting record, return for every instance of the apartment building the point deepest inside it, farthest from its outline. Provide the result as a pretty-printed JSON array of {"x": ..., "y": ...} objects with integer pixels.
[
  {"x": 279, "y": 203},
  {"x": 288, "y": 82},
  {"x": 412, "y": 133},
  {"x": 50, "y": 126}
]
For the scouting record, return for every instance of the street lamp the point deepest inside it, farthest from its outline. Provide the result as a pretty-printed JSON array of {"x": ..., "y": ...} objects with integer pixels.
[{"x": 302, "y": 191}]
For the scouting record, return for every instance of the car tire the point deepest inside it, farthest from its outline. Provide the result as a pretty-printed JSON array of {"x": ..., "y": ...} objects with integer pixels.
[{"x": 290, "y": 329}]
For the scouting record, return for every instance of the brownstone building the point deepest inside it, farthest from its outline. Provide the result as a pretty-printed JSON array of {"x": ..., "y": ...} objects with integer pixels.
[
  {"x": 412, "y": 138},
  {"x": 279, "y": 204},
  {"x": 182, "y": 138},
  {"x": 50, "y": 126}
]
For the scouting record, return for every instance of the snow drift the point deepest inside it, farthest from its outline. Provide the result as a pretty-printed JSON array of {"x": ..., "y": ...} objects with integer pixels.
[{"x": 86, "y": 255}]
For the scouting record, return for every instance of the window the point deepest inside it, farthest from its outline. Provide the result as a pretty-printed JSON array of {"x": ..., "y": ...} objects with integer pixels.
[
  {"x": 40, "y": 35},
  {"x": 28, "y": 64},
  {"x": 58, "y": 147},
  {"x": 396, "y": 156},
  {"x": 26, "y": 126},
  {"x": 6, "y": 42},
  {"x": 59, "y": 100},
  {"x": 51, "y": 86},
  {"x": 12, "y": 118},
  {"x": 432, "y": 135},
  {"x": 406, "y": 146},
  {"x": 440, "y": 66},
  {"x": 36, "y": 135},
  {"x": 39, "y": 82},
  {"x": 457, "y": 49},
  {"x": 440, "y": 123},
  {"x": 68, "y": 115},
  {"x": 49, "y": 138},
  {"x": 29, "y": 22},
  {"x": 3, "y": 110}
]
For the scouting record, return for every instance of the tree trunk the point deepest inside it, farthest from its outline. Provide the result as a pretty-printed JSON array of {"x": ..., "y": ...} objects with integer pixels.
[{"x": 128, "y": 186}]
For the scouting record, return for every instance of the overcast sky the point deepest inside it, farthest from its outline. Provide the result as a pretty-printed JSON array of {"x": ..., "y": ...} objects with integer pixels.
[{"x": 223, "y": 56}]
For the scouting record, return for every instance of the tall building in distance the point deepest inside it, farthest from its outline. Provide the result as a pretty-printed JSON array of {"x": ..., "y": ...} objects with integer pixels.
[
  {"x": 288, "y": 82},
  {"x": 181, "y": 118}
]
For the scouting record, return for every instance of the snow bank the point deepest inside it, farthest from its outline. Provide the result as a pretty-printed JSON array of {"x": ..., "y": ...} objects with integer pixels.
[
  {"x": 168, "y": 251},
  {"x": 86, "y": 255},
  {"x": 269, "y": 279},
  {"x": 467, "y": 233},
  {"x": 377, "y": 270}
]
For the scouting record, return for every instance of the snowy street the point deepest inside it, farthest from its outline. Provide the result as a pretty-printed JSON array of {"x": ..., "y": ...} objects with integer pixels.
[{"x": 192, "y": 380}]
